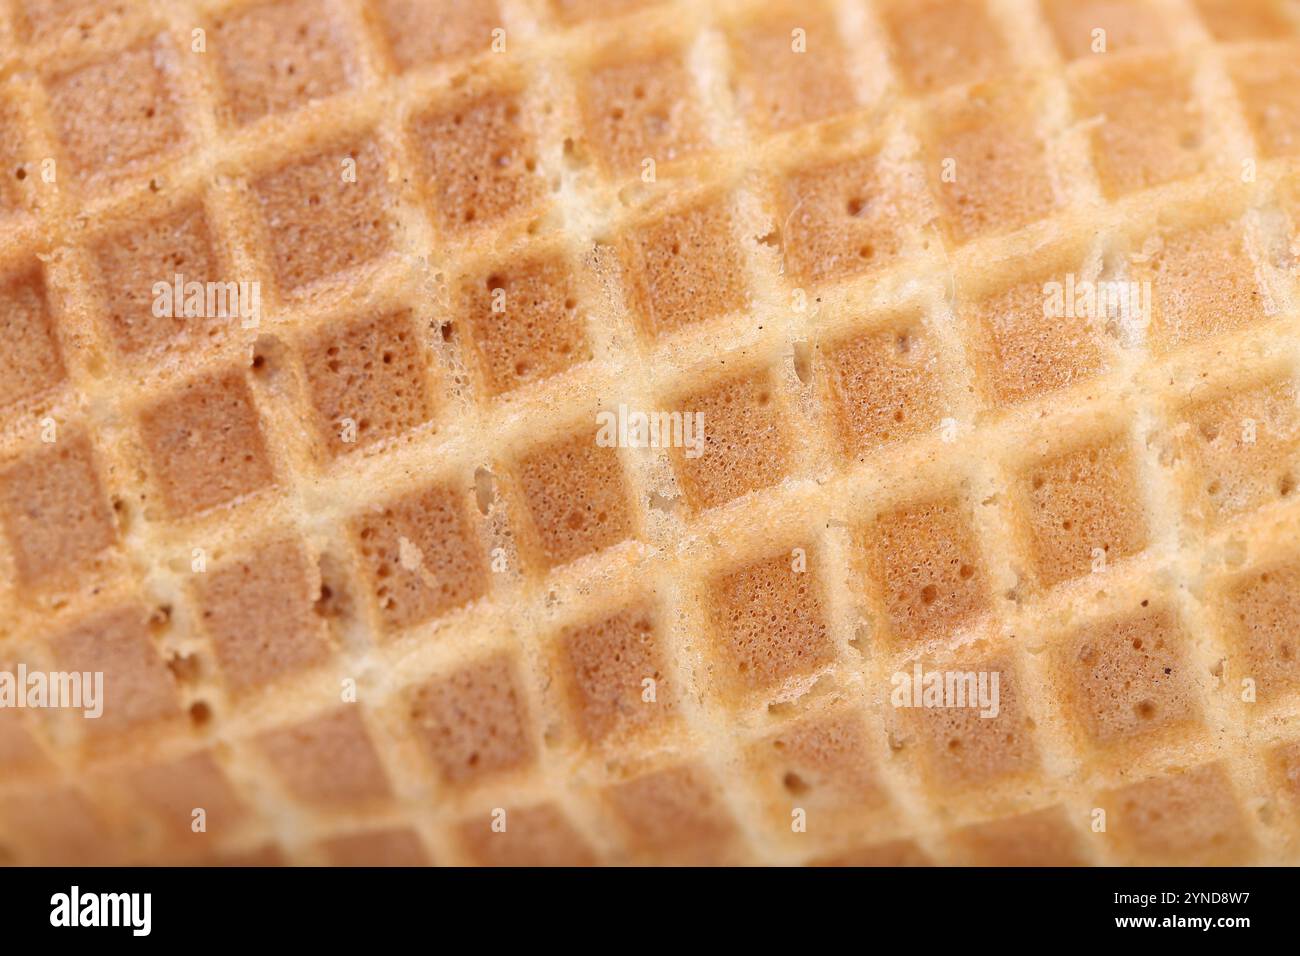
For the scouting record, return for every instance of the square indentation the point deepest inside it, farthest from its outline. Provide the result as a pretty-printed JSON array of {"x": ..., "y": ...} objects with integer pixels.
[
  {"x": 607, "y": 664},
  {"x": 278, "y": 56},
  {"x": 939, "y": 43},
  {"x": 976, "y": 733},
  {"x": 57, "y": 827},
  {"x": 328, "y": 759},
  {"x": 260, "y": 611},
  {"x": 56, "y": 515},
  {"x": 842, "y": 219},
  {"x": 1042, "y": 838},
  {"x": 744, "y": 446},
  {"x": 685, "y": 267},
  {"x": 1202, "y": 283},
  {"x": 576, "y": 496},
  {"x": 400, "y": 846},
  {"x": 1126, "y": 677},
  {"x": 172, "y": 791},
  {"x": 1240, "y": 450},
  {"x": 310, "y": 202},
  {"x": 131, "y": 260},
  {"x": 1083, "y": 510},
  {"x": 642, "y": 107},
  {"x": 421, "y": 32},
  {"x": 1230, "y": 21},
  {"x": 138, "y": 687},
  {"x": 1284, "y": 761},
  {"x": 788, "y": 79},
  {"x": 539, "y": 835},
  {"x": 674, "y": 816},
  {"x": 1152, "y": 133},
  {"x": 1268, "y": 83},
  {"x": 33, "y": 365},
  {"x": 1024, "y": 347},
  {"x": 205, "y": 444},
  {"x": 823, "y": 765},
  {"x": 1192, "y": 818},
  {"x": 883, "y": 385},
  {"x": 526, "y": 322},
  {"x": 421, "y": 556},
  {"x": 369, "y": 381},
  {"x": 481, "y": 160},
  {"x": 999, "y": 178},
  {"x": 1124, "y": 25},
  {"x": 117, "y": 116},
  {"x": 474, "y": 722},
  {"x": 893, "y": 853},
  {"x": 925, "y": 559},
  {"x": 1261, "y": 610},
  {"x": 768, "y": 622}
]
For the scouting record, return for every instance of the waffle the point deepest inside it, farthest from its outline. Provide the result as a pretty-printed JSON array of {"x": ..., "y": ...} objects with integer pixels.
[{"x": 365, "y": 589}]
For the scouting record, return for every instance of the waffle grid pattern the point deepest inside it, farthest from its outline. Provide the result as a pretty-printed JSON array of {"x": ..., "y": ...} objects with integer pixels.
[{"x": 822, "y": 257}]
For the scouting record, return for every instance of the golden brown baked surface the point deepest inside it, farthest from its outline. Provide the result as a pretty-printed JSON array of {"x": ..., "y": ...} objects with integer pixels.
[{"x": 366, "y": 586}]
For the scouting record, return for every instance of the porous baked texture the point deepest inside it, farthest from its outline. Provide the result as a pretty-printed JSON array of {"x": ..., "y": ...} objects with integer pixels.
[{"x": 368, "y": 587}]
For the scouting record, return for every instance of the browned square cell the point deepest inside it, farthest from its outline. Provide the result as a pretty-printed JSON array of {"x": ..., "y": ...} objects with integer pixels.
[
  {"x": 1230, "y": 21},
  {"x": 55, "y": 513},
  {"x": 173, "y": 790},
  {"x": 925, "y": 559},
  {"x": 1284, "y": 762},
  {"x": 118, "y": 115},
  {"x": 474, "y": 722},
  {"x": 525, "y": 321},
  {"x": 260, "y": 611},
  {"x": 789, "y": 78},
  {"x": 1202, "y": 283},
  {"x": 1100, "y": 27},
  {"x": 892, "y": 853},
  {"x": 768, "y": 622},
  {"x": 1187, "y": 818},
  {"x": 986, "y": 163},
  {"x": 642, "y": 107},
  {"x": 481, "y": 160},
  {"x": 205, "y": 444},
  {"x": 976, "y": 732},
  {"x": 421, "y": 32},
  {"x": 938, "y": 43},
  {"x": 277, "y": 56},
  {"x": 882, "y": 385},
  {"x": 684, "y": 267},
  {"x": 1041, "y": 838},
  {"x": 421, "y": 555},
  {"x": 138, "y": 687},
  {"x": 33, "y": 364},
  {"x": 1126, "y": 677},
  {"x": 396, "y": 847},
  {"x": 326, "y": 213},
  {"x": 368, "y": 379},
  {"x": 744, "y": 445},
  {"x": 576, "y": 496},
  {"x": 675, "y": 816},
  {"x": 328, "y": 759},
  {"x": 14, "y": 173},
  {"x": 842, "y": 218},
  {"x": 1240, "y": 449},
  {"x": 1268, "y": 84},
  {"x": 823, "y": 765},
  {"x": 1261, "y": 609},
  {"x": 1023, "y": 346},
  {"x": 1152, "y": 132},
  {"x": 572, "y": 11},
  {"x": 539, "y": 835},
  {"x": 147, "y": 250},
  {"x": 1083, "y": 510},
  {"x": 57, "y": 826},
  {"x": 606, "y": 664},
  {"x": 20, "y": 752}
]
